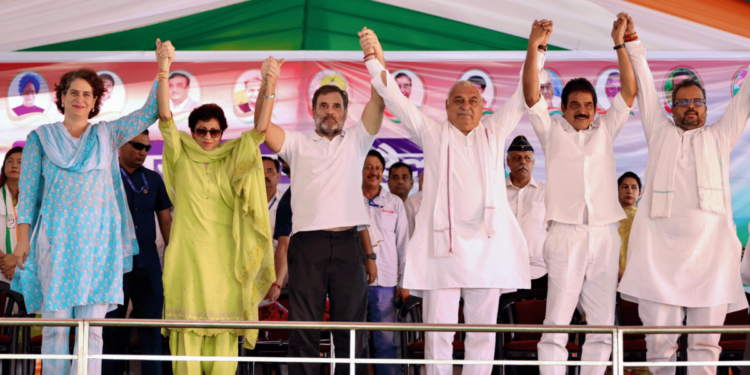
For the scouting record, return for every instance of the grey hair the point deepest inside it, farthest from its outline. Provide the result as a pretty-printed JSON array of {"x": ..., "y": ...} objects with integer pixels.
[{"x": 462, "y": 84}]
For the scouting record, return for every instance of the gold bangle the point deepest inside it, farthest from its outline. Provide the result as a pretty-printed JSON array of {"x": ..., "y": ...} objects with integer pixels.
[{"x": 162, "y": 75}]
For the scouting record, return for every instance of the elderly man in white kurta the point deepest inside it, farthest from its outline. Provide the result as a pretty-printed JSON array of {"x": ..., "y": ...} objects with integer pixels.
[
  {"x": 467, "y": 243},
  {"x": 683, "y": 253},
  {"x": 583, "y": 245}
]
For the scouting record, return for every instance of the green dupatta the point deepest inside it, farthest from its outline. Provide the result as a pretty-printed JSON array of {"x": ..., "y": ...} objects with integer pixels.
[{"x": 242, "y": 186}]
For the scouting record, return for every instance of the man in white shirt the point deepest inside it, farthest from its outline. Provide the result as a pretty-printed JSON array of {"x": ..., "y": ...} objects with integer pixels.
[
  {"x": 526, "y": 199},
  {"x": 683, "y": 253},
  {"x": 467, "y": 242},
  {"x": 272, "y": 171},
  {"x": 325, "y": 256},
  {"x": 179, "y": 93},
  {"x": 412, "y": 205},
  {"x": 582, "y": 246},
  {"x": 389, "y": 225}
]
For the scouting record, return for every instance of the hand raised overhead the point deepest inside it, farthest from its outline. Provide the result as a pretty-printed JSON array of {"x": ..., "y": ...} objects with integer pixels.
[
  {"x": 370, "y": 43},
  {"x": 271, "y": 69},
  {"x": 540, "y": 32},
  {"x": 631, "y": 26},
  {"x": 547, "y": 25},
  {"x": 618, "y": 29},
  {"x": 164, "y": 54}
]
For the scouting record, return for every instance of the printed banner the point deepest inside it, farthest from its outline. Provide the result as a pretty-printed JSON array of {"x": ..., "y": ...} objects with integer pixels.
[{"x": 29, "y": 101}]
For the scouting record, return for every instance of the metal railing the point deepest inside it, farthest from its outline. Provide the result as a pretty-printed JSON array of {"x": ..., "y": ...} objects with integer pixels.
[{"x": 618, "y": 363}]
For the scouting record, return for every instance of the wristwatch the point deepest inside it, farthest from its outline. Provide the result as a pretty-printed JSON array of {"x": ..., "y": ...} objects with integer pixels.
[{"x": 371, "y": 256}]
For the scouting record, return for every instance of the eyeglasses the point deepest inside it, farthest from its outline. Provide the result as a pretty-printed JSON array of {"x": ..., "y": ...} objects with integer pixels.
[
  {"x": 687, "y": 102},
  {"x": 140, "y": 146},
  {"x": 201, "y": 132}
]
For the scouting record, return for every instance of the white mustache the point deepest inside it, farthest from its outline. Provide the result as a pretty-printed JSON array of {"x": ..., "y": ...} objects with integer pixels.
[
  {"x": 522, "y": 167},
  {"x": 460, "y": 112}
]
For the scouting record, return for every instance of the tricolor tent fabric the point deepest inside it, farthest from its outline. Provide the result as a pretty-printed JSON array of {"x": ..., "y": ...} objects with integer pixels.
[{"x": 433, "y": 43}]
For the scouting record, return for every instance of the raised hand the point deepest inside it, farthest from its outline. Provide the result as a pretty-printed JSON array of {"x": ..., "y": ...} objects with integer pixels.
[
  {"x": 618, "y": 29},
  {"x": 547, "y": 26},
  {"x": 631, "y": 26},
  {"x": 370, "y": 43},
  {"x": 538, "y": 34},
  {"x": 164, "y": 54},
  {"x": 271, "y": 69}
]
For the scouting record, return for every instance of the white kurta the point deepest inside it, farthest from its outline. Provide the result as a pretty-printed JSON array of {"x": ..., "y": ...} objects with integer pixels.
[
  {"x": 412, "y": 205},
  {"x": 692, "y": 258},
  {"x": 528, "y": 206},
  {"x": 478, "y": 261}
]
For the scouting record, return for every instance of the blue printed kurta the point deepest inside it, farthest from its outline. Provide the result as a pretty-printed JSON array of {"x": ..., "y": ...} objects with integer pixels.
[{"x": 80, "y": 214}]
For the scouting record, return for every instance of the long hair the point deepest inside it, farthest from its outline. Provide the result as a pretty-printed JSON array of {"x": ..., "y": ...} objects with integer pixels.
[{"x": 3, "y": 176}]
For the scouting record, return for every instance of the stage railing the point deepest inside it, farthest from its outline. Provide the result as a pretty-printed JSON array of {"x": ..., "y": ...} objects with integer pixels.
[{"x": 618, "y": 364}]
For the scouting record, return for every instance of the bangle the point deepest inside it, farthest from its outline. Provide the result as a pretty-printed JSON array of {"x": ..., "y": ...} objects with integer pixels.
[
  {"x": 631, "y": 37},
  {"x": 270, "y": 96},
  {"x": 368, "y": 55},
  {"x": 371, "y": 58},
  {"x": 618, "y": 46},
  {"x": 274, "y": 284},
  {"x": 542, "y": 47},
  {"x": 162, "y": 75}
]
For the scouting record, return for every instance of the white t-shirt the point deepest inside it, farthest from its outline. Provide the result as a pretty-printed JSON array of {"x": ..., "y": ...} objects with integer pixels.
[{"x": 327, "y": 178}]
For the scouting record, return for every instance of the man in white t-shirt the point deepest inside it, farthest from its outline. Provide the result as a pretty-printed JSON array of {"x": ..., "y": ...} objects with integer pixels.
[{"x": 325, "y": 256}]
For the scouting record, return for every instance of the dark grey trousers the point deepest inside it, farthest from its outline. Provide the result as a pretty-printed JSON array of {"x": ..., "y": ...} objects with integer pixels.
[{"x": 332, "y": 264}]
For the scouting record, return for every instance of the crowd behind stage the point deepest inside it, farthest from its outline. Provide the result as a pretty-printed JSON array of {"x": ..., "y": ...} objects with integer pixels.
[{"x": 83, "y": 216}]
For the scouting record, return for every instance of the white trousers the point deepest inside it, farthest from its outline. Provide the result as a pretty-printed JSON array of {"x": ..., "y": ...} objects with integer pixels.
[
  {"x": 663, "y": 347},
  {"x": 441, "y": 307},
  {"x": 582, "y": 265},
  {"x": 56, "y": 340}
]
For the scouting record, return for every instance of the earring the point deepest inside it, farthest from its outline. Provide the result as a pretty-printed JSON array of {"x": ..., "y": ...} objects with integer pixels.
[{"x": 62, "y": 105}]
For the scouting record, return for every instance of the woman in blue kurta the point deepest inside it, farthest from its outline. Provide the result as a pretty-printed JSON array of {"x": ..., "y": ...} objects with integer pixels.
[{"x": 76, "y": 236}]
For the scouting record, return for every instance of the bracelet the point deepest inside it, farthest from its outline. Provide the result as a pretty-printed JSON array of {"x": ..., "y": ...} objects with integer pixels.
[
  {"x": 368, "y": 55},
  {"x": 631, "y": 37},
  {"x": 274, "y": 284},
  {"x": 269, "y": 96},
  {"x": 542, "y": 47},
  {"x": 371, "y": 58},
  {"x": 162, "y": 75},
  {"x": 618, "y": 46}
]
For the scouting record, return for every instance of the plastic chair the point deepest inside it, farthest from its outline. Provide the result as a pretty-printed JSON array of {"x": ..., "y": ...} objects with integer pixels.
[{"x": 528, "y": 307}]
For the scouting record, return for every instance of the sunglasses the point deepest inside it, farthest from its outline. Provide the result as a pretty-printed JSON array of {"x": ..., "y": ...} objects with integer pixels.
[
  {"x": 201, "y": 132},
  {"x": 140, "y": 146}
]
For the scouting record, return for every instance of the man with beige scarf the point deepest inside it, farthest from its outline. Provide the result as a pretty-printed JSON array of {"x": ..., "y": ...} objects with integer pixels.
[{"x": 684, "y": 254}]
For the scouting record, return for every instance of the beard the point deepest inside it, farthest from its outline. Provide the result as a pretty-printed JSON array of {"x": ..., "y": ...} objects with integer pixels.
[
  {"x": 325, "y": 127},
  {"x": 683, "y": 123}
]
